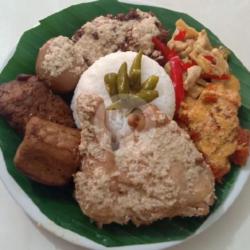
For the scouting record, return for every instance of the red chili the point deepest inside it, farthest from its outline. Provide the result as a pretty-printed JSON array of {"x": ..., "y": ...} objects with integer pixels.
[
  {"x": 166, "y": 52},
  {"x": 180, "y": 36},
  {"x": 176, "y": 69},
  {"x": 187, "y": 65},
  {"x": 210, "y": 58},
  {"x": 214, "y": 77},
  {"x": 176, "y": 74},
  {"x": 223, "y": 77}
]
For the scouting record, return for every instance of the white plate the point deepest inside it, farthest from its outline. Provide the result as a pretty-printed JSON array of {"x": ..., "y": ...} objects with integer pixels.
[{"x": 36, "y": 215}]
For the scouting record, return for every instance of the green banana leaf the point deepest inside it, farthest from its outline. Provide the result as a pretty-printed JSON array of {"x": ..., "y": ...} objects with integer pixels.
[{"x": 58, "y": 204}]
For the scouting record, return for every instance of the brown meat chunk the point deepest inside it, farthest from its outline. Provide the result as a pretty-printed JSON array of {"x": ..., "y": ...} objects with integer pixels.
[
  {"x": 49, "y": 152},
  {"x": 26, "y": 97}
]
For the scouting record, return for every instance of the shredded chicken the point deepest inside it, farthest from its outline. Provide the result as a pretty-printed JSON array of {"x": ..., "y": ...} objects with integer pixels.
[
  {"x": 193, "y": 74},
  {"x": 218, "y": 67},
  {"x": 203, "y": 40},
  {"x": 196, "y": 46}
]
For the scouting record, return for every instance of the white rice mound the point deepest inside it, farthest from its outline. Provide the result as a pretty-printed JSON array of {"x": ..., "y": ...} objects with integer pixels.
[{"x": 92, "y": 82}]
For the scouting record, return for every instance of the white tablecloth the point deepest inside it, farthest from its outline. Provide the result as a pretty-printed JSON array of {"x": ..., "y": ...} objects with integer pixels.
[{"x": 230, "y": 20}]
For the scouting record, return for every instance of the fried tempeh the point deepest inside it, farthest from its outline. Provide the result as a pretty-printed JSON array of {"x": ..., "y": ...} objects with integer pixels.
[{"x": 49, "y": 152}]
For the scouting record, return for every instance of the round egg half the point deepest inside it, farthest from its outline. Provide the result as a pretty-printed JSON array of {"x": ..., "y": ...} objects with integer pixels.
[{"x": 92, "y": 82}]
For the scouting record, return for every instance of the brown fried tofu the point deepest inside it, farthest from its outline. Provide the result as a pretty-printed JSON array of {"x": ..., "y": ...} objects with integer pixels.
[
  {"x": 49, "y": 152},
  {"x": 26, "y": 97}
]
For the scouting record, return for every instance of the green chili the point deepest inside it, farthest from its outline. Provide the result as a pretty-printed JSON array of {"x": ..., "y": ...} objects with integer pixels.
[
  {"x": 110, "y": 80},
  {"x": 123, "y": 80},
  {"x": 150, "y": 83}
]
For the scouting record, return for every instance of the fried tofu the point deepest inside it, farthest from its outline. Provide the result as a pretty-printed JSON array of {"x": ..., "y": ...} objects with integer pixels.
[
  {"x": 26, "y": 97},
  {"x": 49, "y": 152}
]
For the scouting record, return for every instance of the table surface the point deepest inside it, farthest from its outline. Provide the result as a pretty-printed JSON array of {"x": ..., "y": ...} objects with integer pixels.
[{"x": 230, "y": 20}]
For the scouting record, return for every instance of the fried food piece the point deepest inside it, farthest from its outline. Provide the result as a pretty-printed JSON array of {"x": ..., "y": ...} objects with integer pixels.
[
  {"x": 49, "y": 152},
  {"x": 157, "y": 174},
  {"x": 26, "y": 97},
  {"x": 213, "y": 123}
]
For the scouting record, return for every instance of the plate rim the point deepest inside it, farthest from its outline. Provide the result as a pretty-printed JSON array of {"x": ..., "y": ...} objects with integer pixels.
[{"x": 41, "y": 220}]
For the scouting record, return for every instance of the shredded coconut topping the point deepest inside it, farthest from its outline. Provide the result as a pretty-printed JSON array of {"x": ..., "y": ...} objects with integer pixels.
[
  {"x": 103, "y": 35},
  {"x": 160, "y": 174},
  {"x": 106, "y": 34},
  {"x": 62, "y": 55}
]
